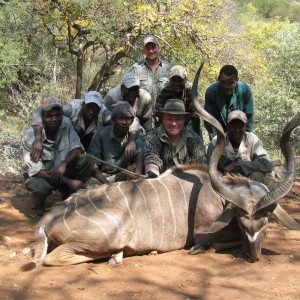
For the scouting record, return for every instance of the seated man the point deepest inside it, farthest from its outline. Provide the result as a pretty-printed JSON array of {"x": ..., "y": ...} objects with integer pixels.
[
  {"x": 129, "y": 90},
  {"x": 86, "y": 116},
  {"x": 179, "y": 88},
  {"x": 109, "y": 144},
  {"x": 171, "y": 143},
  {"x": 244, "y": 152},
  {"x": 62, "y": 165}
]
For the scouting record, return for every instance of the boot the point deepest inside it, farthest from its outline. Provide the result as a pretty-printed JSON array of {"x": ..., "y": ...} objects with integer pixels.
[{"x": 38, "y": 204}]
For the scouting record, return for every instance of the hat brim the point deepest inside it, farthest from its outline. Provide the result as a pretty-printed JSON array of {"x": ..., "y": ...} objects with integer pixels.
[
  {"x": 51, "y": 107},
  {"x": 238, "y": 119},
  {"x": 92, "y": 101},
  {"x": 158, "y": 113},
  {"x": 177, "y": 75}
]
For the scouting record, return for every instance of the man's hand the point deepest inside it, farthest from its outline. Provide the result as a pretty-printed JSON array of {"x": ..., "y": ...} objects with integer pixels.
[
  {"x": 74, "y": 185},
  {"x": 229, "y": 168},
  {"x": 36, "y": 151},
  {"x": 57, "y": 174},
  {"x": 130, "y": 149}
]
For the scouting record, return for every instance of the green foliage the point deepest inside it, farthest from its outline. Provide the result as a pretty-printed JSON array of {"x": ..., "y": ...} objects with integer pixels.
[
  {"x": 277, "y": 94},
  {"x": 283, "y": 9},
  {"x": 43, "y": 43}
]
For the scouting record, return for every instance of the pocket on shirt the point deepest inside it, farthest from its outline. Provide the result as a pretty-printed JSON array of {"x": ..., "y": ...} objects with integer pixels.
[{"x": 144, "y": 83}]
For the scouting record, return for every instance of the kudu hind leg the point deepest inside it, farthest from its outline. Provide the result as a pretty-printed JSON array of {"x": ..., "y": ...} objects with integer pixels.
[
  {"x": 66, "y": 255},
  {"x": 116, "y": 258}
]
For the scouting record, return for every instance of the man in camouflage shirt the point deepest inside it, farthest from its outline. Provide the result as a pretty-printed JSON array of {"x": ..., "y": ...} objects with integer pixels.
[
  {"x": 171, "y": 143},
  {"x": 179, "y": 88}
]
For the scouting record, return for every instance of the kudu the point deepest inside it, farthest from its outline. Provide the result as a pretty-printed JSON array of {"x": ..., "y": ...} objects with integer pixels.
[
  {"x": 250, "y": 201},
  {"x": 178, "y": 209}
]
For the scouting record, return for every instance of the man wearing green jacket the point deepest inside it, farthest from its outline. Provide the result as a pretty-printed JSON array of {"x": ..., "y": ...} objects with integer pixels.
[{"x": 226, "y": 95}]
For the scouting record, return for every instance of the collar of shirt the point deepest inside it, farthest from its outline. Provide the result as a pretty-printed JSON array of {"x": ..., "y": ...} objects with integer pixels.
[
  {"x": 185, "y": 135},
  {"x": 242, "y": 148},
  {"x": 146, "y": 64},
  {"x": 114, "y": 138},
  {"x": 80, "y": 123},
  {"x": 57, "y": 136}
]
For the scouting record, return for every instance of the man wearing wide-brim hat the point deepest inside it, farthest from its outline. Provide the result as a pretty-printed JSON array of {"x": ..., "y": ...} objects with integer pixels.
[
  {"x": 179, "y": 88},
  {"x": 172, "y": 143}
]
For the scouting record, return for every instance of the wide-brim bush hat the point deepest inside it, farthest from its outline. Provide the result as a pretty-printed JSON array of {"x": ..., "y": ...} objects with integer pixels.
[{"x": 174, "y": 107}]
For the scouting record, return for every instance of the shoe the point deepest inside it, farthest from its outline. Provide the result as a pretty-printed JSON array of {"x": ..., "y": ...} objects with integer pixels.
[{"x": 38, "y": 204}]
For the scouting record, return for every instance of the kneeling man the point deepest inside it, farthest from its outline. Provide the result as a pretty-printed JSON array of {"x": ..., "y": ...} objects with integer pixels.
[
  {"x": 62, "y": 165},
  {"x": 244, "y": 152}
]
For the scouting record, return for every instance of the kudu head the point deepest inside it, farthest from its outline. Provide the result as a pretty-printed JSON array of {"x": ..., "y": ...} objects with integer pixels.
[{"x": 249, "y": 201}]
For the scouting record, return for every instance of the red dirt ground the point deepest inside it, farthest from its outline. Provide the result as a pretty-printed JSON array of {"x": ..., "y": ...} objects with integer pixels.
[{"x": 173, "y": 275}]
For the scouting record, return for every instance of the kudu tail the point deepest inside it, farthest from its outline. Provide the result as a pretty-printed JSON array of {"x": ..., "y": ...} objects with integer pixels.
[{"x": 40, "y": 250}]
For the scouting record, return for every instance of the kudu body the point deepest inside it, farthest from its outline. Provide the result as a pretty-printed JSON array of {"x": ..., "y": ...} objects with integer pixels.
[{"x": 185, "y": 206}]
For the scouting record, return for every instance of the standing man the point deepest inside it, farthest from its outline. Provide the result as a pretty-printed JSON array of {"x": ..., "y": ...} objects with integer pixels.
[
  {"x": 62, "y": 165},
  {"x": 244, "y": 152},
  {"x": 109, "y": 143},
  {"x": 226, "y": 95},
  {"x": 171, "y": 143},
  {"x": 152, "y": 71}
]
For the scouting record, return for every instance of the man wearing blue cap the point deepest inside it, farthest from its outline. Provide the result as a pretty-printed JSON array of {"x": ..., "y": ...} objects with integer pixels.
[{"x": 86, "y": 116}]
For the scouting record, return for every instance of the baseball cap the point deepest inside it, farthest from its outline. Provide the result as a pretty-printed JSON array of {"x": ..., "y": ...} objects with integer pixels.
[
  {"x": 130, "y": 80},
  {"x": 122, "y": 108},
  {"x": 93, "y": 97},
  {"x": 237, "y": 115},
  {"x": 150, "y": 39},
  {"x": 49, "y": 102},
  {"x": 178, "y": 71}
]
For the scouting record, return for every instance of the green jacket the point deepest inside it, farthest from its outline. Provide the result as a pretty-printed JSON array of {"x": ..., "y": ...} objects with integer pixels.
[{"x": 215, "y": 104}]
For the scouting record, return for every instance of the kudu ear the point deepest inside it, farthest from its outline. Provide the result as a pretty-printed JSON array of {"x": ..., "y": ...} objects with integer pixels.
[
  {"x": 223, "y": 220},
  {"x": 284, "y": 218}
]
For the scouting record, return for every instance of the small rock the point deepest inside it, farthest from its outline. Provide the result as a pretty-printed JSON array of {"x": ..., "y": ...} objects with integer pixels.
[
  {"x": 26, "y": 250},
  {"x": 14, "y": 254},
  {"x": 6, "y": 239}
]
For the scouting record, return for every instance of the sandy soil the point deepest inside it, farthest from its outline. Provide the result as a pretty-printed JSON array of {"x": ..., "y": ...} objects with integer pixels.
[{"x": 174, "y": 275}]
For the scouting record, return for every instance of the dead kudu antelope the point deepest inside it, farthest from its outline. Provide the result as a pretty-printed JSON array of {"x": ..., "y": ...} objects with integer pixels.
[{"x": 178, "y": 209}]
